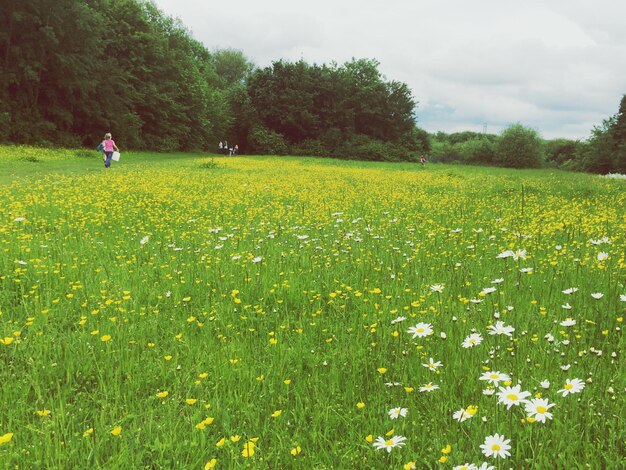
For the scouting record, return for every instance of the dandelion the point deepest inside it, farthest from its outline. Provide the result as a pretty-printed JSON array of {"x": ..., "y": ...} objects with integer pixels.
[
  {"x": 510, "y": 396},
  {"x": 572, "y": 386},
  {"x": 495, "y": 377},
  {"x": 472, "y": 340},
  {"x": 496, "y": 446},
  {"x": 421, "y": 330},
  {"x": 395, "y": 413},
  {"x": 387, "y": 444},
  {"x": 537, "y": 408},
  {"x": 432, "y": 365}
]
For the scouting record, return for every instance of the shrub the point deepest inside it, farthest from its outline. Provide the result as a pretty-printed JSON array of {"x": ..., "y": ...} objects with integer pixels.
[
  {"x": 519, "y": 147},
  {"x": 265, "y": 141}
]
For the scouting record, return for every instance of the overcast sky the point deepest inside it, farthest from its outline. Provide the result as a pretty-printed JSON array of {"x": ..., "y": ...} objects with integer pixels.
[{"x": 558, "y": 66}]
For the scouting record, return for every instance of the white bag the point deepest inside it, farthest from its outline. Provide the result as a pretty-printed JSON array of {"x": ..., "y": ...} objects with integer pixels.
[{"x": 116, "y": 156}]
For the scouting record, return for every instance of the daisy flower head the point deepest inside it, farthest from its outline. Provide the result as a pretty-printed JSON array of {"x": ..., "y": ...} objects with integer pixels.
[
  {"x": 537, "y": 408},
  {"x": 510, "y": 396},
  {"x": 465, "y": 414},
  {"x": 495, "y": 377},
  {"x": 602, "y": 256},
  {"x": 622, "y": 297},
  {"x": 519, "y": 254},
  {"x": 429, "y": 387},
  {"x": 387, "y": 444},
  {"x": 465, "y": 466},
  {"x": 597, "y": 295},
  {"x": 421, "y": 330},
  {"x": 496, "y": 446},
  {"x": 472, "y": 340},
  {"x": 398, "y": 320},
  {"x": 572, "y": 386},
  {"x": 432, "y": 365},
  {"x": 568, "y": 322},
  {"x": 501, "y": 329},
  {"x": 487, "y": 291},
  {"x": 571, "y": 290},
  {"x": 438, "y": 288},
  {"x": 395, "y": 413},
  {"x": 505, "y": 254},
  {"x": 486, "y": 466}
]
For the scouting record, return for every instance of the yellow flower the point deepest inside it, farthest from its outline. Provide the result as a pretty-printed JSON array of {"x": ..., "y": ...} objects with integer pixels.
[
  {"x": 273, "y": 341},
  {"x": 287, "y": 382},
  {"x": 7, "y": 340},
  {"x": 163, "y": 394},
  {"x": 381, "y": 370},
  {"x": 210, "y": 464},
  {"x": 88, "y": 432},
  {"x": 296, "y": 450},
  {"x": 6, "y": 438},
  {"x": 191, "y": 401},
  {"x": 235, "y": 438},
  {"x": 248, "y": 449},
  {"x": 390, "y": 432},
  {"x": 443, "y": 459},
  {"x": 105, "y": 338},
  {"x": 447, "y": 449},
  {"x": 167, "y": 358},
  {"x": 277, "y": 413},
  {"x": 43, "y": 412},
  {"x": 360, "y": 405},
  {"x": 369, "y": 438},
  {"x": 409, "y": 466},
  {"x": 221, "y": 442},
  {"x": 116, "y": 431}
]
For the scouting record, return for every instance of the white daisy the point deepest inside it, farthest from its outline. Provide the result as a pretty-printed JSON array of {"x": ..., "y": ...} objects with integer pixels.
[
  {"x": 437, "y": 288},
  {"x": 395, "y": 413},
  {"x": 602, "y": 256},
  {"x": 429, "y": 387},
  {"x": 421, "y": 330},
  {"x": 538, "y": 408},
  {"x": 472, "y": 340},
  {"x": 597, "y": 295},
  {"x": 572, "y": 386},
  {"x": 510, "y": 396},
  {"x": 568, "y": 322},
  {"x": 495, "y": 377},
  {"x": 387, "y": 444},
  {"x": 500, "y": 329},
  {"x": 496, "y": 446},
  {"x": 571, "y": 290},
  {"x": 432, "y": 365}
]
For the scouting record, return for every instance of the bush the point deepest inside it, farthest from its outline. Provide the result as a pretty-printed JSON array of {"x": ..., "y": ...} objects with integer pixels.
[
  {"x": 479, "y": 150},
  {"x": 265, "y": 141},
  {"x": 519, "y": 147}
]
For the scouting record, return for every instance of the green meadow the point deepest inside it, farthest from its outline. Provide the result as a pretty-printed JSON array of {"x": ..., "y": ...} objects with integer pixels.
[{"x": 199, "y": 311}]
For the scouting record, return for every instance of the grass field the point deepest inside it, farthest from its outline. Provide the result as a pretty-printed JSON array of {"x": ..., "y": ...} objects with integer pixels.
[{"x": 189, "y": 311}]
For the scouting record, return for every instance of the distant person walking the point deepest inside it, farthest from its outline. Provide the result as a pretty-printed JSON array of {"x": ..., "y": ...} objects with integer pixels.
[
  {"x": 109, "y": 146},
  {"x": 221, "y": 146},
  {"x": 422, "y": 160}
]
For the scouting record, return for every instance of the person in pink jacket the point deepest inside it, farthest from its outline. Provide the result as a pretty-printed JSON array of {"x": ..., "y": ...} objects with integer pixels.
[{"x": 109, "y": 146}]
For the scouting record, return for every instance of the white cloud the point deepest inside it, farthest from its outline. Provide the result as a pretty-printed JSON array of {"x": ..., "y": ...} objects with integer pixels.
[{"x": 555, "y": 66}]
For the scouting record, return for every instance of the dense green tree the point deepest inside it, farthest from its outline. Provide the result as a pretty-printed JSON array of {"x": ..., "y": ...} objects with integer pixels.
[
  {"x": 560, "y": 151},
  {"x": 518, "y": 147}
]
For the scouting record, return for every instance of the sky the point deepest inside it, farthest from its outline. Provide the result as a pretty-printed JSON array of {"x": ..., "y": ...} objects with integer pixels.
[{"x": 557, "y": 66}]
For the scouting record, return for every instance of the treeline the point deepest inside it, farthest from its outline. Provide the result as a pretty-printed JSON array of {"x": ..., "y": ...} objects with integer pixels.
[
  {"x": 73, "y": 69},
  {"x": 521, "y": 147}
]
